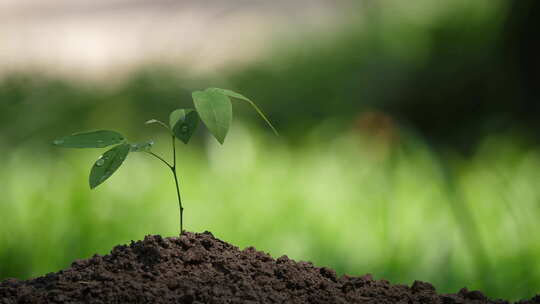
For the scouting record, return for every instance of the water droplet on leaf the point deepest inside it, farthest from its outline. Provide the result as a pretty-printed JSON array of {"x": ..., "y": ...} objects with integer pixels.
[
  {"x": 100, "y": 162},
  {"x": 184, "y": 129},
  {"x": 58, "y": 141}
]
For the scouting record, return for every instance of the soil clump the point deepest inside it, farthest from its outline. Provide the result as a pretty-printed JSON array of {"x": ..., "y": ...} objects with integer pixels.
[{"x": 198, "y": 268}]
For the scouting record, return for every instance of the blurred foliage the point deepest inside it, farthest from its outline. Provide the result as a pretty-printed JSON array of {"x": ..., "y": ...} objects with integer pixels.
[
  {"x": 369, "y": 175},
  {"x": 356, "y": 202},
  {"x": 454, "y": 72}
]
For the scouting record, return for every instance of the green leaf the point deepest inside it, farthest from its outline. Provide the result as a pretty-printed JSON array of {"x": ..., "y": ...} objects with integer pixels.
[
  {"x": 92, "y": 139},
  {"x": 155, "y": 121},
  {"x": 141, "y": 147},
  {"x": 107, "y": 164},
  {"x": 215, "y": 110},
  {"x": 183, "y": 122},
  {"x": 244, "y": 98}
]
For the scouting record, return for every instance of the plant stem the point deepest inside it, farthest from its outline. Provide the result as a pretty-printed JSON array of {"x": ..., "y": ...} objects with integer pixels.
[
  {"x": 160, "y": 158},
  {"x": 173, "y": 168}
]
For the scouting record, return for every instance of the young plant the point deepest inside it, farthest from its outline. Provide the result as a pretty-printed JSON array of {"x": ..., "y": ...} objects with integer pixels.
[{"x": 213, "y": 106}]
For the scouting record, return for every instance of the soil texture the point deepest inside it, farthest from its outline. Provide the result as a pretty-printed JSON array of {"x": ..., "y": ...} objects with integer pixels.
[{"x": 198, "y": 268}]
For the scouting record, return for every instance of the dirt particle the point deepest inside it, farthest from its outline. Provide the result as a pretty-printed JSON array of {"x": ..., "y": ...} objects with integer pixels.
[
  {"x": 472, "y": 295},
  {"x": 419, "y": 286},
  {"x": 328, "y": 273}
]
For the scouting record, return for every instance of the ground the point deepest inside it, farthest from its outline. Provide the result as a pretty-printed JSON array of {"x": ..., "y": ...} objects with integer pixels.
[{"x": 198, "y": 268}]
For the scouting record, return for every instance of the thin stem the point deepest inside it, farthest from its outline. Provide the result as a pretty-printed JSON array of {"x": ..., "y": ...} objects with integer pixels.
[
  {"x": 160, "y": 158},
  {"x": 173, "y": 168},
  {"x": 179, "y": 200}
]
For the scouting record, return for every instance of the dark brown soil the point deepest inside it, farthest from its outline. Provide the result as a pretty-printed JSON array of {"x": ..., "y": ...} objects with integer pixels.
[{"x": 198, "y": 268}]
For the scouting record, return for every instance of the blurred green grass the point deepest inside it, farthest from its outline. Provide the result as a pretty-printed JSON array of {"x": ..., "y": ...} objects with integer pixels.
[{"x": 354, "y": 202}]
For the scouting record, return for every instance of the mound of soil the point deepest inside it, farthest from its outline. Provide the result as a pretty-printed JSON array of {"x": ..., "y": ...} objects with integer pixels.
[{"x": 198, "y": 268}]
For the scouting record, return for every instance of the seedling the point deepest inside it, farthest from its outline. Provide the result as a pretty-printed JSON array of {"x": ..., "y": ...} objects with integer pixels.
[{"x": 213, "y": 106}]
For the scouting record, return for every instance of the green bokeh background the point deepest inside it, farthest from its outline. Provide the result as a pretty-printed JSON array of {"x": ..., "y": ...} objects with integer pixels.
[{"x": 383, "y": 165}]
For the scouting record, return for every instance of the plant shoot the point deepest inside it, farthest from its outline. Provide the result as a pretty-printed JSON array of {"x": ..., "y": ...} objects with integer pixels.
[{"x": 213, "y": 107}]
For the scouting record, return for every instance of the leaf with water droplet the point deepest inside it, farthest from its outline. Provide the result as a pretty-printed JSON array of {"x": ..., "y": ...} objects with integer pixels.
[
  {"x": 107, "y": 164},
  {"x": 100, "y": 162},
  {"x": 233, "y": 94},
  {"x": 215, "y": 110},
  {"x": 141, "y": 147},
  {"x": 183, "y": 123},
  {"x": 92, "y": 139}
]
